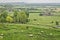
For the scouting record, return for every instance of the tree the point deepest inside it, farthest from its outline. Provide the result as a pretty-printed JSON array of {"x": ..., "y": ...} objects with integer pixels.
[
  {"x": 15, "y": 15},
  {"x": 27, "y": 13},
  {"x": 22, "y": 17},
  {"x": 9, "y": 19},
  {"x": 3, "y": 16}
]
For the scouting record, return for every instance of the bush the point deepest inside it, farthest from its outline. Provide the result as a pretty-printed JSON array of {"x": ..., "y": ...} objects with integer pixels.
[
  {"x": 57, "y": 23},
  {"x": 27, "y": 20},
  {"x": 40, "y": 14},
  {"x": 35, "y": 19}
]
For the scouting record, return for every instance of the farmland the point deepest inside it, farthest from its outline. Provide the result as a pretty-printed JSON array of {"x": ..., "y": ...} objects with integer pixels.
[
  {"x": 43, "y": 23},
  {"x": 38, "y": 27}
]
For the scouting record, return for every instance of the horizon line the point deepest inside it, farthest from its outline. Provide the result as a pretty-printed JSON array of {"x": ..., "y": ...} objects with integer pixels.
[{"x": 28, "y": 2}]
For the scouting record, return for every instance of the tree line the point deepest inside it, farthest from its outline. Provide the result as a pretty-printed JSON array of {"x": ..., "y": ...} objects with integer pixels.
[{"x": 14, "y": 17}]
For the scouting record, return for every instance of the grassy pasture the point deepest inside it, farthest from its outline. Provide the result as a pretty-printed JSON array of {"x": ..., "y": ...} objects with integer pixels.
[
  {"x": 40, "y": 29},
  {"x": 19, "y": 32},
  {"x": 44, "y": 20}
]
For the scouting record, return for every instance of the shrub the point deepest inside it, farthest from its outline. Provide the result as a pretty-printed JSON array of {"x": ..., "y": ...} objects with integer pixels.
[
  {"x": 35, "y": 19},
  {"x": 40, "y": 14}
]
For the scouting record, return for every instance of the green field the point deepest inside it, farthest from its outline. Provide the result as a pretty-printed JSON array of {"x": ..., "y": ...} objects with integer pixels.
[
  {"x": 40, "y": 29},
  {"x": 44, "y": 20}
]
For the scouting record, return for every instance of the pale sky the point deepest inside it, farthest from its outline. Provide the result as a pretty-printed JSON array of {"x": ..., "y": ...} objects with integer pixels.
[{"x": 32, "y": 1}]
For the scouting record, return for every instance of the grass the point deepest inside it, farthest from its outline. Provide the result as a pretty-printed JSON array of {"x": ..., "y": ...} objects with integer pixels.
[
  {"x": 19, "y": 32},
  {"x": 43, "y": 19},
  {"x": 40, "y": 29}
]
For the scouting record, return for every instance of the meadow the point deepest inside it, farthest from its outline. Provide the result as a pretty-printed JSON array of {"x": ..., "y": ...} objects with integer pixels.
[{"x": 38, "y": 28}]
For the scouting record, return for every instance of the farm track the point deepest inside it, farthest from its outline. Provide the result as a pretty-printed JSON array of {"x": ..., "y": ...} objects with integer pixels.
[
  {"x": 36, "y": 25},
  {"x": 33, "y": 25}
]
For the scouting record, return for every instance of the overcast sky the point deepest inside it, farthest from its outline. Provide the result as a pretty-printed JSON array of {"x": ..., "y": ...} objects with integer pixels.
[{"x": 32, "y": 1}]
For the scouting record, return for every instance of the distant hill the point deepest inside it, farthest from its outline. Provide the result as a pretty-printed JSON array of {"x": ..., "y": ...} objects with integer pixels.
[{"x": 31, "y": 4}]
